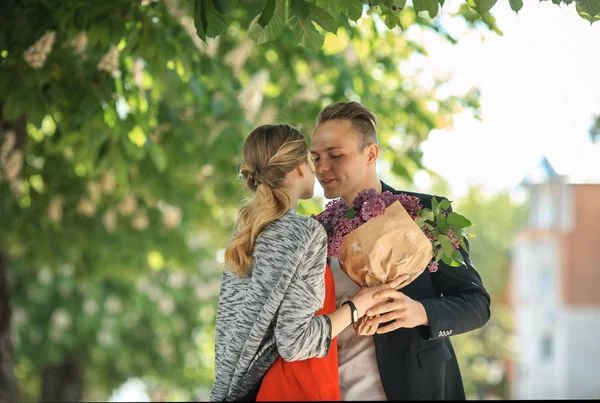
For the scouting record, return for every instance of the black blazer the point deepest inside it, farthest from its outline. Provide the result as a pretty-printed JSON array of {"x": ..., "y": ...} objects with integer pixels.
[{"x": 419, "y": 363}]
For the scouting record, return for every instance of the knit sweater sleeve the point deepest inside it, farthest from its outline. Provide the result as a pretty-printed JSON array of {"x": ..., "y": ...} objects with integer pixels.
[{"x": 299, "y": 334}]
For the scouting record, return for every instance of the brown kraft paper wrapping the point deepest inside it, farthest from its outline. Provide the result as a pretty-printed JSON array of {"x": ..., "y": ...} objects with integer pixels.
[{"x": 384, "y": 248}]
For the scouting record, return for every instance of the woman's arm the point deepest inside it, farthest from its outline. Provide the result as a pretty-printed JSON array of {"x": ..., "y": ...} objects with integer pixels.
[{"x": 299, "y": 333}]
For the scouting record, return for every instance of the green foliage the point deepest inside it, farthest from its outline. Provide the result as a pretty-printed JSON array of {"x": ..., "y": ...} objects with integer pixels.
[
  {"x": 212, "y": 16},
  {"x": 124, "y": 168},
  {"x": 158, "y": 326},
  {"x": 594, "y": 130},
  {"x": 484, "y": 353}
]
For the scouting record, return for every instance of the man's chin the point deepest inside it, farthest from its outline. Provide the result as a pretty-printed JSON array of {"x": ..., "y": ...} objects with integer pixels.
[{"x": 331, "y": 193}]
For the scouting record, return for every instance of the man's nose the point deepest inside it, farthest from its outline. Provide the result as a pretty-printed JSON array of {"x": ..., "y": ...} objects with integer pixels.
[{"x": 321, "y": 166}]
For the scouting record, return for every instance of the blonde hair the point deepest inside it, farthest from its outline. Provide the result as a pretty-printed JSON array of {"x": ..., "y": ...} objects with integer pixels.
[
  {"x": 269, "y": 153},
  {"x": 362, "y": 118}
]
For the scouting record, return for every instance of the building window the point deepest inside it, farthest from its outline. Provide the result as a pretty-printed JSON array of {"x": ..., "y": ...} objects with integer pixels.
[
  {"x": 546, "y": 348},
  {"x": 545, "y": 283},
  {"x": 544, "y": 208}
]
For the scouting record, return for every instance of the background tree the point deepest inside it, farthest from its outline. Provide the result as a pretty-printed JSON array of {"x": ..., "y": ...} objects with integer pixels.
[
  {"x": 120, "y": 137},
  {"x": 594, "y": 130},
  {"x": 272, "y": 17},
  {"x": 484, "y": 353}
]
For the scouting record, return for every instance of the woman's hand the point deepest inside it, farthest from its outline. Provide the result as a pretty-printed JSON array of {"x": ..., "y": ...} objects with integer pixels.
[{"x": 364, "y": 298}]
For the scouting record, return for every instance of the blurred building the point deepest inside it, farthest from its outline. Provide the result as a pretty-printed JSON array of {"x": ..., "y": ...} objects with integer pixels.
[{"x": 555, "y": 291}]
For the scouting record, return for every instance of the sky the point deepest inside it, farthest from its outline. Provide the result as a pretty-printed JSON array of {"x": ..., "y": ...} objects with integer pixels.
[{"x": 540, "y": 89}]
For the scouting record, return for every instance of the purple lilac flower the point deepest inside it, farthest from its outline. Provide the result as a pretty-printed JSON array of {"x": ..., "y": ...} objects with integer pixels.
[
  {"x": 372, "y": 208},
  {"x": 433, "y": 266},
  {"x": 334, "y": 244},
  {"x": 388, "y": 197},
  {"x": 346, "y": 226},
  {"x": 455, "y": 242},
  {"x": 429, "y": 234},
  {"x": 334, "y": 211},
  {"x": 411, "y": 204},
  {"x": 363, "y": 196}
]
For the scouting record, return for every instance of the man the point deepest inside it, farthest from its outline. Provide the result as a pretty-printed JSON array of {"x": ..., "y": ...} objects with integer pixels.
[{"x": 410, "y": 356}]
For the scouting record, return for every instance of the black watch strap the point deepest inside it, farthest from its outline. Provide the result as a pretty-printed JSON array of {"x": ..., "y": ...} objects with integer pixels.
[{"x": 353, "y": 311}]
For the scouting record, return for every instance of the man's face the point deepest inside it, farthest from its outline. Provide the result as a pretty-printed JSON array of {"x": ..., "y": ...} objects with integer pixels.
[{"x": 341, "y": 166}]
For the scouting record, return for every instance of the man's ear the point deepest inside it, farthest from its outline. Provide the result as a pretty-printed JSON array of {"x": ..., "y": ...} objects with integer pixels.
[{"x": 372, "y": 154}]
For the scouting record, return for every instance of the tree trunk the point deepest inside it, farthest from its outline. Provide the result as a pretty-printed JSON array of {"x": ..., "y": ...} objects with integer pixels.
[
  {"x": 63, "y": 382},
  {"x": 8, "y": 382}
]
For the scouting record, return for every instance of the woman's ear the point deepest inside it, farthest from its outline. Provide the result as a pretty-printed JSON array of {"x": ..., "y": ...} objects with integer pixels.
[{"x": 300, "y": 170}]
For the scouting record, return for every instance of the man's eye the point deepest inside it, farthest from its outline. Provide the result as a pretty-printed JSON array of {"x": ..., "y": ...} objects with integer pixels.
[{"x": 335, "y": 156}]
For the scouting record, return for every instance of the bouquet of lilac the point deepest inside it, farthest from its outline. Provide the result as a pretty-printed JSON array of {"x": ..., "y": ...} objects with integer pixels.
[{"x": 444, "y": 229}]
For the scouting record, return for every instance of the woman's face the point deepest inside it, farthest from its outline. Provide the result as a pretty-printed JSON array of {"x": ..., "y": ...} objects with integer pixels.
[{"x": 308, "y": 187}]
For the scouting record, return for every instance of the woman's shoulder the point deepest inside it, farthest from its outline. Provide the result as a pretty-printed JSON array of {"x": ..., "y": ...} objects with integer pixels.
[{"x": 294, "y": 226}]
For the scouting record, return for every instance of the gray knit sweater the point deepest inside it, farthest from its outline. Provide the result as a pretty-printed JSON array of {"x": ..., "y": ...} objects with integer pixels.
[{"x": 271, "y": 312}]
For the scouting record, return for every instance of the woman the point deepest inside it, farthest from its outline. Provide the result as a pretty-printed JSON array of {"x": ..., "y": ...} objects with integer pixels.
[{"x": 276, "y": 318}]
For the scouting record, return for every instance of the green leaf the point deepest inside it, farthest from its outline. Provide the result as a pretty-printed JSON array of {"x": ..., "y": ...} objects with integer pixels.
[
  {"x": 442, "y": 219},
  {"x": 323, "y": 18},
  {"x": 14, "y": 106},
  {"x": 445, "y": 204},
  {"x": 446, "y": 245},
  {"x": 588, "y": 9},
  {"x": 353, "y": 9},
  {"x": 267, "y": 13},
  {"x": 189, "y": 6},
  {"x": 400, "y": 4},
  {"x": 458, "y": 221},
  {"x": 200, "y": 20},
  {"x": 223, "y": 6},
  {"x": 217, "y": 22},
  {"x": 450, "y": 262},
  {"x": 462, "y": 243},
  {"x": 482, "y": 6},
  {"x": 426, "y": 214},
  {"x": 431, "y": 6},
  {"x": 305, "y": 33},
  {"x": 262, "y": 34},
  {"x": 333, "y": 7},
  {"x": 458, "y": 257},
  {"x": 391, "y": 20},
  {"x": 350, "y": 213},
  {"x": 434, "y": 204},
  {"x": 159, "y": 157},
  {"x": 516, "y": 5},
  {"x": 300, "y": 8}
]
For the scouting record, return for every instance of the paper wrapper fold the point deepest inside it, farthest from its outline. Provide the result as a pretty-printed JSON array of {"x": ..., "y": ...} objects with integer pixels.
[{"x": 384, "y": 248}]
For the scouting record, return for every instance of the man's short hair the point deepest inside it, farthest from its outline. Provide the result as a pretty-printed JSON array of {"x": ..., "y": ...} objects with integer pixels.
[{"x": 362, "y": 118}]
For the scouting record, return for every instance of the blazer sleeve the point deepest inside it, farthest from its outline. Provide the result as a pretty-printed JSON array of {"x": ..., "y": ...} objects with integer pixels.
[
  {"x": 299, "y": 334},
  {"x": 461, "y": 304}
]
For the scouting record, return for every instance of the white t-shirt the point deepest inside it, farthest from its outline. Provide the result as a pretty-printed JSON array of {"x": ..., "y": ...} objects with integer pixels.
[{"x": 357, "y": 362}]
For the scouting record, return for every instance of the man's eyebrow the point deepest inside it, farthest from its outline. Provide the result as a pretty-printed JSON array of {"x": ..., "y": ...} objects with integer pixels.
[{"x": 328, "y": 149}]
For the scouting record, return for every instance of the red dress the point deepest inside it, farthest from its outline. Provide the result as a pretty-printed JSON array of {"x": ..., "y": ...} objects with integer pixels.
[{"x": 310, "y": 379}]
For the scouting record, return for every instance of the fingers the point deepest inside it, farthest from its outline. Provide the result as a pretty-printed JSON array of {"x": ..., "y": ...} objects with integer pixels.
[
  {"x": 388, "y": 294},
  {"x": 388, "y": 317},
  {"x": 384, "y": 308},
  {"x": 400, "y": 280},
  {"x": 389, "y": 328}
]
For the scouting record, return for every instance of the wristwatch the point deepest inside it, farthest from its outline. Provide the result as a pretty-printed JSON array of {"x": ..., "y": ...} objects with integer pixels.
[{"x": 353, "y": 310}]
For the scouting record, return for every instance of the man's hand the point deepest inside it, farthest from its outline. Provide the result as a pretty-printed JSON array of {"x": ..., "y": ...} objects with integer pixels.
[{"x": 405, "y": 311}]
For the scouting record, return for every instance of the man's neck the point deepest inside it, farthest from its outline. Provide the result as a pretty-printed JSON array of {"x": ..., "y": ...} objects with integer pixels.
[{"x": 372, "y": 182}]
